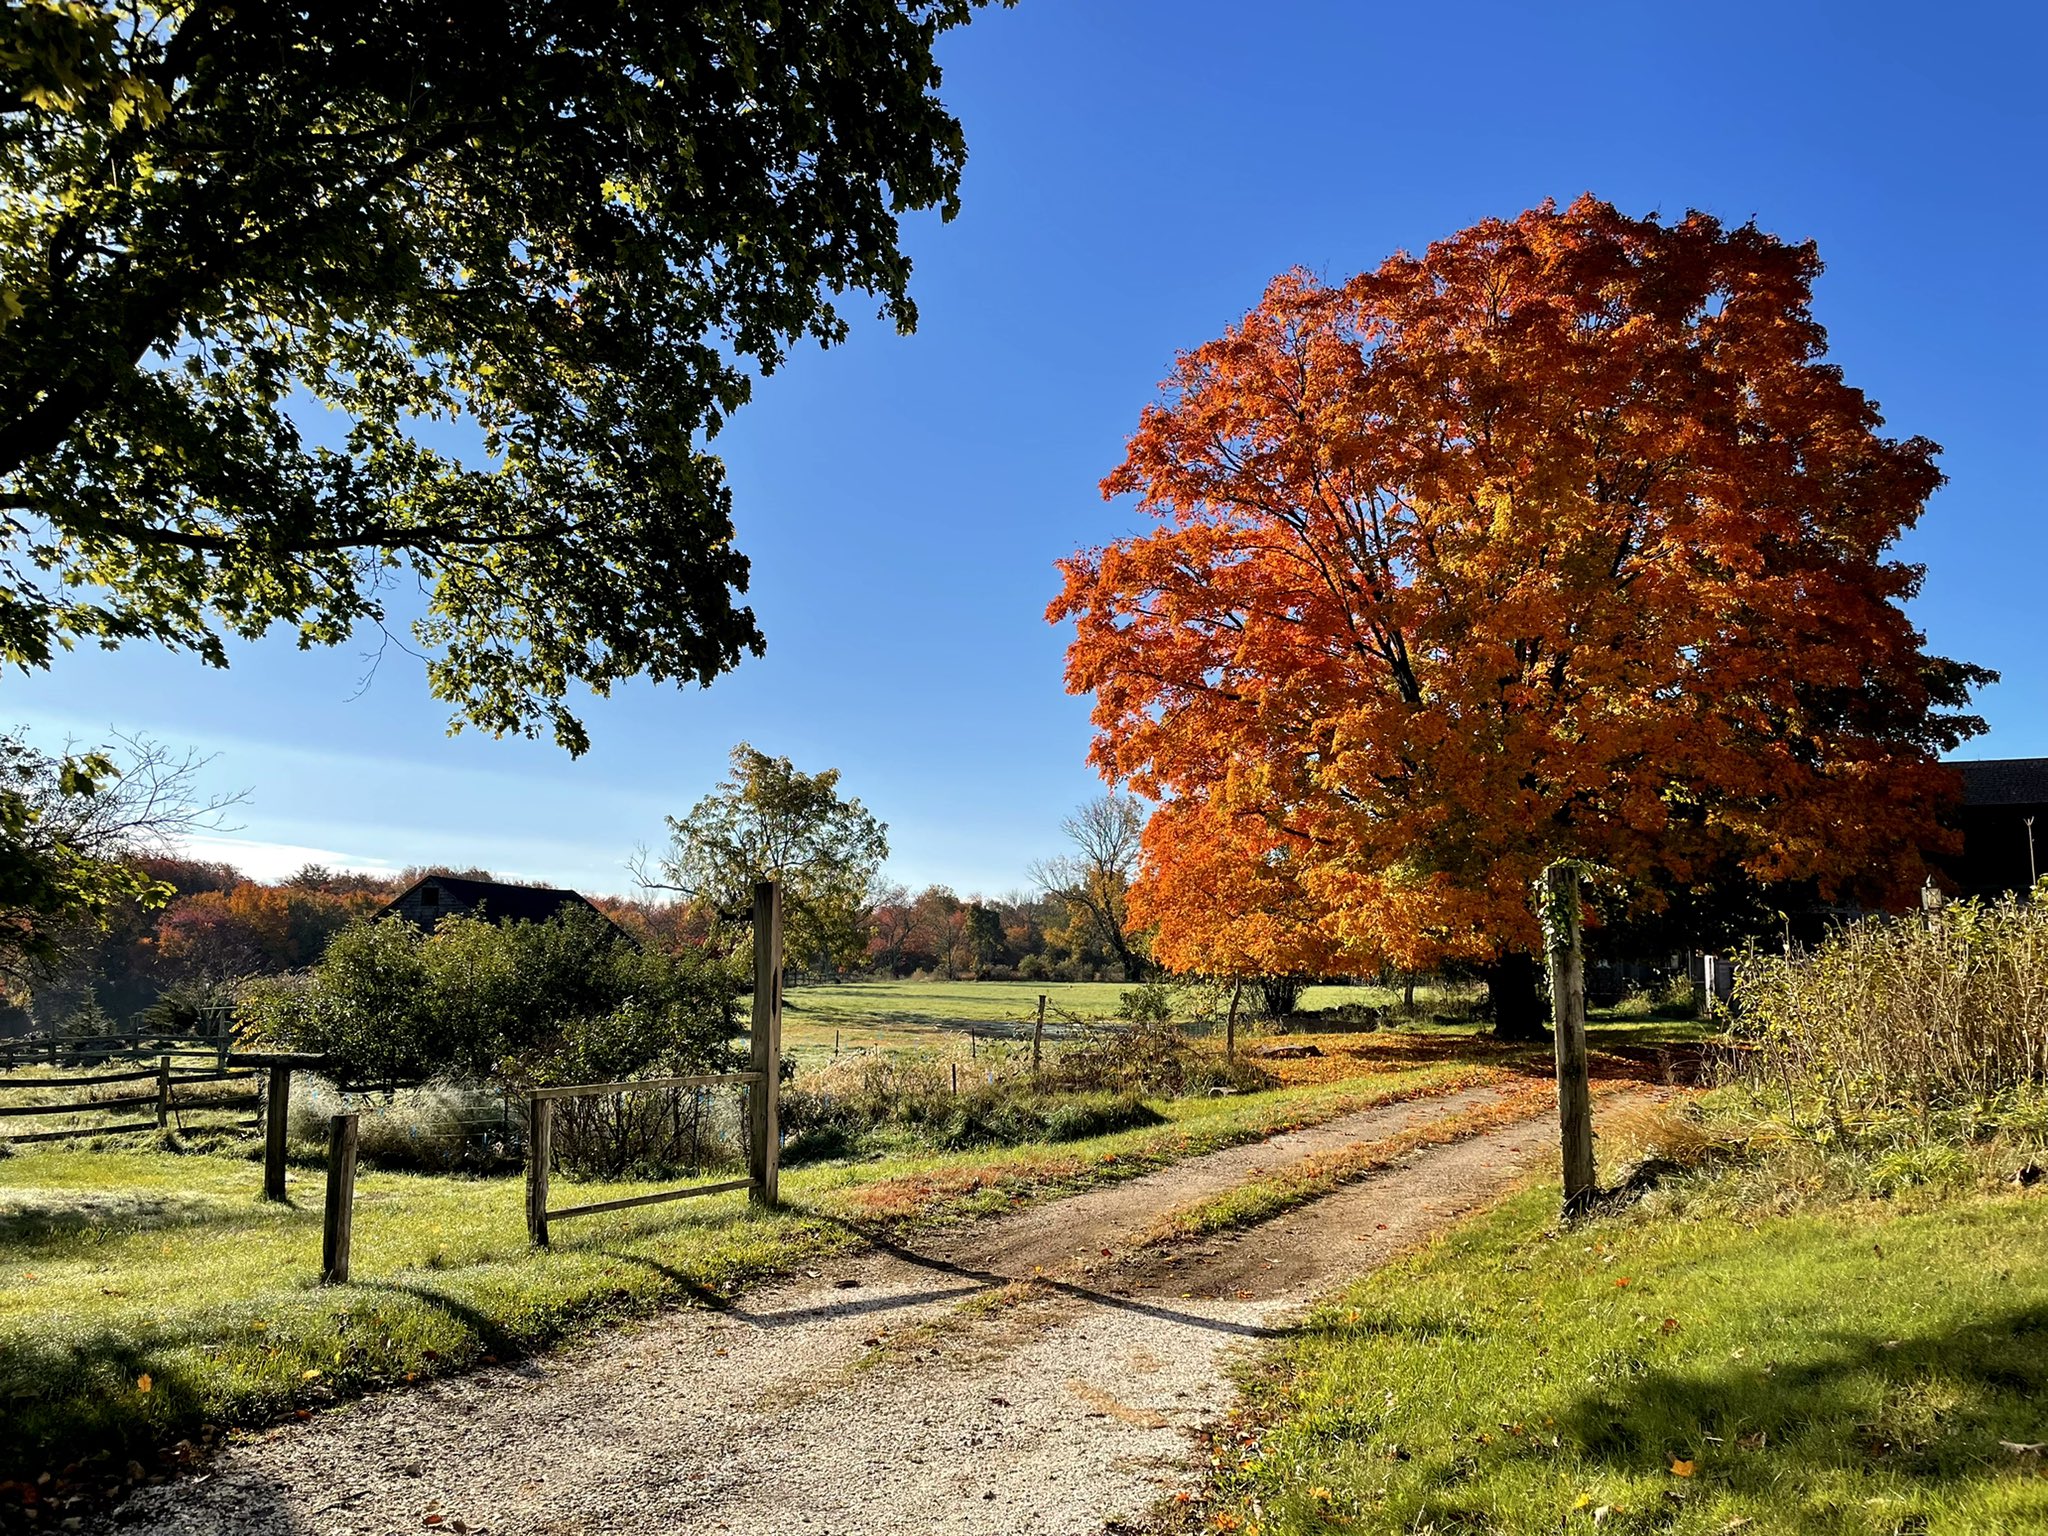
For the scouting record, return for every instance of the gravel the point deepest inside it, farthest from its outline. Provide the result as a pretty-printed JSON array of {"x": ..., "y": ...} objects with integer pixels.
[{"x": 1011, "y": 1381}]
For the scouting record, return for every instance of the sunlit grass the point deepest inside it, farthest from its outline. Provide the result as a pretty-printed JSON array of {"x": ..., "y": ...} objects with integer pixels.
[
  {"x": 117, "y": 1266},
  {"x": 938, "y": 1016},
  {"x": 1833, "y": 1372}
]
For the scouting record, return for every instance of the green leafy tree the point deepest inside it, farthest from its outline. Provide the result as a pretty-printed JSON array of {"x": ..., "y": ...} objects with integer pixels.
[
  {"x": 567, "y": 233},
  {"x": 769, "y": 821}
]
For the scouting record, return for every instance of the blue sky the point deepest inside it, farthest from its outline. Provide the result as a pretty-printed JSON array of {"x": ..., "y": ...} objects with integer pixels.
[{"x": 1137, "y": 171}]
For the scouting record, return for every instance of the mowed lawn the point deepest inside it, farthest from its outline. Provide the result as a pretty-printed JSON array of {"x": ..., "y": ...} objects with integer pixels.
[
  {"x": 938, "y": 1017},
  {"x": 1824, "y": 1373},
  {"x": 146, "y": 1293}
]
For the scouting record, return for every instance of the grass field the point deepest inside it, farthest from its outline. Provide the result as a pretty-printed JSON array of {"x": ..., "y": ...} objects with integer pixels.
[
  {"x": 1853, "y": 1370},
  {"x": 940, "y": 1016},
  {"x": 145, "y": 1294}
]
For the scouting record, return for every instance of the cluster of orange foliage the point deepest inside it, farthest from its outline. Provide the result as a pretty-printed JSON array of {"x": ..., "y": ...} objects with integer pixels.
[{"x": 1560, "y": 540}]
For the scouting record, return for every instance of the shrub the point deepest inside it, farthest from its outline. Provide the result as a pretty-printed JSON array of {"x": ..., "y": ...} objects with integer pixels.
[
  {"x": 828, "y": 1113},
  {"x": 1149, "y": 1058},
  {"x": 568, "y": 1000},
  {"x": 1150, "y": 1002},
  {"x": 437, "y": 1128}
]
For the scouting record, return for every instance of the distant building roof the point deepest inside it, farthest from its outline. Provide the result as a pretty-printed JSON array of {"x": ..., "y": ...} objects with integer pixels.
[
  {"x": 431, "y": 897},
  {"x": 2004, "y": 781}
]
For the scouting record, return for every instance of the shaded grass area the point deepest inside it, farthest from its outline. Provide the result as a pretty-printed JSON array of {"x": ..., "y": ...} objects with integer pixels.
[
  {"x": 145, "y": 1294},
  {"x": 1847, "y": 1370}
]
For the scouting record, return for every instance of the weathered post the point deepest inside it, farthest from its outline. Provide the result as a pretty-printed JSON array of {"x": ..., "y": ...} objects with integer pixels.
[
  {"x": 1230, "y": 1025},
  {"x": 276, "y": 1116},
  {"x": 540, "y": 1151},
  {"x": 338, "y": 1224},
  {"x": 1038, "y": 1037},
  {"x": 765, "y": 1037},
  {"x": 1560, "y": 899},
  {"x": 956, "y": 1079},
  {"x": 163, "y": 1092}
]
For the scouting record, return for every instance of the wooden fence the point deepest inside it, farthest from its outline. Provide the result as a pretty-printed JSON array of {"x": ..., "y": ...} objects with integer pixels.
[
  {"x": 95, "y": 1050},
  {"x": 762, "y": 1080},
  {"x": 160, "y": 1099}
]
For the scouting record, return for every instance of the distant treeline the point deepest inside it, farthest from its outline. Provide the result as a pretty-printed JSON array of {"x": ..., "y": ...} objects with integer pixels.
[{"x": 172, "y": 964}]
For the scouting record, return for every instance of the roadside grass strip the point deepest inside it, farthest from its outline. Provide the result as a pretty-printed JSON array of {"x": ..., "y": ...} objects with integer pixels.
[
  {"x": 1853, "y": 1371},
  {"x": 149, "y": 1297}
]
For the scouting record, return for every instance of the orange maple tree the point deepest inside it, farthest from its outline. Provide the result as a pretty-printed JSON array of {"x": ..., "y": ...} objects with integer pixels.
[{"x": 1560, "y": 540}]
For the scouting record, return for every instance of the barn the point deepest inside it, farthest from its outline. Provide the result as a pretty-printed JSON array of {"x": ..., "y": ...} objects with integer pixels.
[{"x": 432, "y": 897}]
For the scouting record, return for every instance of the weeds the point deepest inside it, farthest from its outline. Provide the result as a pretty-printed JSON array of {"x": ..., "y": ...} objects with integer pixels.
[{"x": 1900, "y": 1013}]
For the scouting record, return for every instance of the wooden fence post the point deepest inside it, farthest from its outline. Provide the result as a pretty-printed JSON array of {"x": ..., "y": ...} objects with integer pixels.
[
  {"x": 338, "y": 1226},
  {"x": 764, "y": 1037},
  {"x": 276, "y": 1115},
  {"x": 1230, "y": 1025},
  {"x": 540, "y": 1151},
  {"x": 163, "y": 1092},
  {"x": 1038, "y": 1036},
  {"x": 1568, "y": 1019}
]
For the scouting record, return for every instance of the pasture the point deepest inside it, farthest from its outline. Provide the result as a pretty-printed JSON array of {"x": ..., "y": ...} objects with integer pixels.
[{"x": 938, "y": 1017}]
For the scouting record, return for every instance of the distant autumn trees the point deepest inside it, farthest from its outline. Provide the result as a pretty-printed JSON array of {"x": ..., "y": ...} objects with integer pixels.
[{"x": 1562, "y": 539}]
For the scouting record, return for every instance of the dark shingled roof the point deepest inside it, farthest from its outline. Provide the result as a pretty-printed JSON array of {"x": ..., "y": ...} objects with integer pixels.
[
  {"x": 500, "y": 902},
  {"x": 2005, "y": 781}
]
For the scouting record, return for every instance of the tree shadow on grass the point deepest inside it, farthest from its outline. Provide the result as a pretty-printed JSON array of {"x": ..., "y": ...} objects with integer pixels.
[
  {"x": 37, "y": 1222},
  {"x": 1932, "y": 1407}
]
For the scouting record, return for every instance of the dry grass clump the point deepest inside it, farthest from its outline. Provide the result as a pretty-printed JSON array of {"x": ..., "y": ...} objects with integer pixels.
[{"x": 1906, "y": 1013}]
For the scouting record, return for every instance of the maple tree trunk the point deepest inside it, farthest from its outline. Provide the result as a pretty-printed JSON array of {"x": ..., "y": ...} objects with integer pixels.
[{"x": 1512, "y": 987}]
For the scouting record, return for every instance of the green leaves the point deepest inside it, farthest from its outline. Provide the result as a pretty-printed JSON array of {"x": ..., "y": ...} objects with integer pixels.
[
  {"x": 567, "y": 235},
  {"x": 770, "y": 821}
]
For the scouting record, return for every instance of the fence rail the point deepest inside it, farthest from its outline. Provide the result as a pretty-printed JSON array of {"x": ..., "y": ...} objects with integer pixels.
[
  {"x": 163, "y": 1098},
  {"x": 762, "y": 1080}
]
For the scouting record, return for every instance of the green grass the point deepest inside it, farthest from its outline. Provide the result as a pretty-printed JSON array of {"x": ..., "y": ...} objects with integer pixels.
[
  {"x": 117, "y": 1265},
  {"x": 1850, "y": 1370},
  {"x": 938, "y": 1016}
]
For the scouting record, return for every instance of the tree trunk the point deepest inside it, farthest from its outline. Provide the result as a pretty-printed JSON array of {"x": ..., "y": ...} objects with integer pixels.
[{"x": 1517, "y": 999}]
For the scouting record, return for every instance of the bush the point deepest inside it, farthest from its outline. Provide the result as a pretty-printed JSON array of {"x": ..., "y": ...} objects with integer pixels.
[
  {"x": 568, "y": 1000},
  {"x": 438, "y": 1128},
  {"x": 1150, "y": 1058},
  {"x": 830, "y": 1112},
  {"x": 1149, "y": 1002}
]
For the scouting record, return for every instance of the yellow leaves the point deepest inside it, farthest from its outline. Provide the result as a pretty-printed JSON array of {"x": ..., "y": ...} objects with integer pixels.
[
  {"x": 1681, "y": 1467},
  {"x": 143, "y": 1384}
]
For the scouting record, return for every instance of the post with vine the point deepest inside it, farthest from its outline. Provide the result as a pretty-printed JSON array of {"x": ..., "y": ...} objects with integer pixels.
[{"x": 1557, "y": 899}]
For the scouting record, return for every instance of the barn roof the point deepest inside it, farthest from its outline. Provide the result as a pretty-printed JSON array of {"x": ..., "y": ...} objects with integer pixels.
[
  {"x": 501, "y": 902},
  {"x": 2004, "y": 781}
]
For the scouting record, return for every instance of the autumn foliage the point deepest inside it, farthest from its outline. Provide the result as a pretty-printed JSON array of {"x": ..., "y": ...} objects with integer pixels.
[{"x": 1562, "y": 538}]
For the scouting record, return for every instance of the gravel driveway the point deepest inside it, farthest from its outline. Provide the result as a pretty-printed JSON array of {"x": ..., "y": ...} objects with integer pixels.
[{"x": 1011, "y": 1380}]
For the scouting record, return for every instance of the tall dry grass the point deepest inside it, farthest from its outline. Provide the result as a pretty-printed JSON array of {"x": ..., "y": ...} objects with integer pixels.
[{"x": 1917, "y": 1013}]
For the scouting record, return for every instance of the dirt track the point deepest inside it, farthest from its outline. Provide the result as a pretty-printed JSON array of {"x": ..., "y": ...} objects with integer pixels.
[{"x": 1012, "y": 1379}]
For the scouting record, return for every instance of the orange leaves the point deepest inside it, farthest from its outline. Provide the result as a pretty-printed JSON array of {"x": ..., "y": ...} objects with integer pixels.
[{"x": 1560, "y": 539}]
